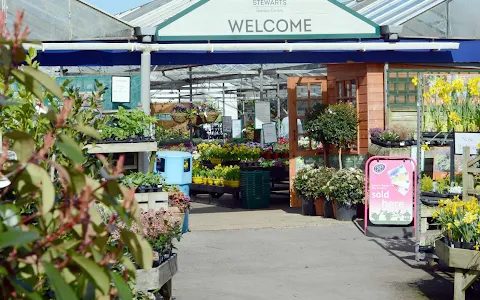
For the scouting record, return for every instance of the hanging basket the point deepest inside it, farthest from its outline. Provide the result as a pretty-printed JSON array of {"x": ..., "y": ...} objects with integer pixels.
[
  {"x": 210, "y": 117},
  {"x": 250, "y": 135},
  {"x": 179, "y": 117}
]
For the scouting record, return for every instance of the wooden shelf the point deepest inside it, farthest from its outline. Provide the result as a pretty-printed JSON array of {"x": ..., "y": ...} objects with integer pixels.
[{"x": 122, "y": 147}]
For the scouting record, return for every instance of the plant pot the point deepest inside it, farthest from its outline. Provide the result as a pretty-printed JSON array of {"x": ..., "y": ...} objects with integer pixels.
[
  {"x": 179, "y": 117},
  {"x": 204, "y": 180},
  {"x": 276, "y": 155},
  {"x": 210, "y": 181},
  {"x": 457, "y": 244},
  {"x": 284, "y": 155},
  {"x": 345, "y": 212},
  {"x": 267, "y": 155},
  {"x": 328, "y": 209},
  {"x": 197, "y": 180},
  {"x": 360, "y": 211},
  {"x": 216, "y": 182},
  {"x": 235, "y": 183},
  {"x": 468, "y": 246},
  {"x": 308, "y": 206},
  {"x": 215, "y": 161},
  {"x": 319, "y": 204}
]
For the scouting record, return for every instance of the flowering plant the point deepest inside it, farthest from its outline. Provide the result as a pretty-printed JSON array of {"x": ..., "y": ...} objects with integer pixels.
[
  {"x": 207, "y": 107},
  {"x": 347, "y": 186},
  {"x": 177, "y": 198},
  {"x": 450, "y": 103},
  {"x": 282, "y": 145},
  {"x": 179, "y": 108},
  {"x": 459, "y": 220}
]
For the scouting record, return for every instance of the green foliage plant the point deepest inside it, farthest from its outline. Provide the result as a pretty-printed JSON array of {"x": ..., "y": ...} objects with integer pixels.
[
  {"x": 347, "y": 186},
  {"x": 427, "y": 183},
  {"x": 128, "y": 124},
  {"x": 60, "y": 249},
  {"x": 339, "y": 126}
]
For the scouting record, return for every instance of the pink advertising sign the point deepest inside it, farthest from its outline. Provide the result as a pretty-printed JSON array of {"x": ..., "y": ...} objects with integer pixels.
[{"x": 391, "y": 191}]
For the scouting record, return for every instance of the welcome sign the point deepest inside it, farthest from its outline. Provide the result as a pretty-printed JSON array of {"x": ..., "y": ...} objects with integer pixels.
[
  {"x": 266, "y": 19},
  {"x": 391, "y": 191}
]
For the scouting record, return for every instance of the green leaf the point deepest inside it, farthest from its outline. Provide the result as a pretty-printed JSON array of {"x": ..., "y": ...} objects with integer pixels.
[
  {"x": 62, "y": 290},
  {"x": 17, "y": 237},
  {"x": 77, "y": 179},
  {"x": 20, "y": 55},
  {"x": 23, "y": 145},
  {"x": 33, "y": 178},
  {"x": 29, "y": 82},
  {"x": 70, "y": 149},
  {"x": 139, "y": 247},
  {"x": 94, "y": 273},
  {"x": 89, "y": 131},
  {"x": 45, "y": 80},
  {"x": 123, "y": 290},
  {"x": 128, "y": 264},
  {"x": 23, "y": 288}
]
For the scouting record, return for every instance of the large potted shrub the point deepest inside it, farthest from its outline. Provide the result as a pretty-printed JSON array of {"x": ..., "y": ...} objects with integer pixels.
[
  {"x": 323, "y": 204},
  {"x": 346, "y": 188},
  {"x": 301, "y": 186},
  {"x": 338, "y": 126}
]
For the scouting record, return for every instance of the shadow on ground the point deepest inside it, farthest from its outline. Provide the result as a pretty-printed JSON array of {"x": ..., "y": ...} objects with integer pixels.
[{"x": 440, "y": 286}]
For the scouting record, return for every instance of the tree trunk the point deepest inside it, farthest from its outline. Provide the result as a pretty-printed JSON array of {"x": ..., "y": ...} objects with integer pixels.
[{"x": 340, "y": 158}]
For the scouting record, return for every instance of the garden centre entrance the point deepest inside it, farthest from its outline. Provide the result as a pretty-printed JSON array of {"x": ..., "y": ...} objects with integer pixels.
[{"x": 303, "y": 94}]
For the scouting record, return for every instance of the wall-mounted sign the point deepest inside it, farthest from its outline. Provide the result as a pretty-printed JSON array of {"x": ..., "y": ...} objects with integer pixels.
[
  {"x": 121, "y": 89},
  {"x": 467, "y": 139},
  {"x": 266, "y": 19},
  {"x": 390, "y": 191},
  {"x": 262, "y": 113},
  {"x": 164, "y": 117}
]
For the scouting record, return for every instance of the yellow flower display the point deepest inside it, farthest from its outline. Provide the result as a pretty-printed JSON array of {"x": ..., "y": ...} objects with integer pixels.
[
  {"x": 459, "y": 219},
  {"x": 451, "y": 102}
]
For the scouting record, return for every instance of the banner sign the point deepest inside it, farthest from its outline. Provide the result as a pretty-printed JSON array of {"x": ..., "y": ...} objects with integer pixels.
[
  {"x": 390, "y": 191},
  {"x": 266, "y": 19}
]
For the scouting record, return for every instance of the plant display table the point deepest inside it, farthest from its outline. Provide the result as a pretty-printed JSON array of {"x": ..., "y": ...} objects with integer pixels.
[
  {"x": 158, "y": 278},
  {"x": 154, "y": 200},
  {"x": 466, "y": 264},
  {"x": 122, "y": 147},
  {"x": 214, "y": 191}
]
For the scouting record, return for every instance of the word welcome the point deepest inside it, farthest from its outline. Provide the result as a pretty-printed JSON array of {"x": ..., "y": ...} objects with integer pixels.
[{"x": 282, "y": 25}]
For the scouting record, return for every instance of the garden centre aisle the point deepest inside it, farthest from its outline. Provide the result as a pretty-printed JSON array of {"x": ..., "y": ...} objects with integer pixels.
[{"x": 323, "y": 260}]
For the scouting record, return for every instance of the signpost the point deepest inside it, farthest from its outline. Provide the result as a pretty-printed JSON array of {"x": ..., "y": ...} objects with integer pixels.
[
  {"x": 390, "y": 191},
  {"x": 269, "y": 133}
]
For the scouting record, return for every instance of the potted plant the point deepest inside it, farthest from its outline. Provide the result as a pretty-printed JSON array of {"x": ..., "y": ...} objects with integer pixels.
[
  {"x": 323, "y": 205},
  {"x": 301, "y": 186},
  {"x": 208, "y": 113},
  {"x": 346, "y": 188},
  {"x": 128, "y": 126},
  {"x": 338, "y": 126},
  {"x": 232, "y": 176}
]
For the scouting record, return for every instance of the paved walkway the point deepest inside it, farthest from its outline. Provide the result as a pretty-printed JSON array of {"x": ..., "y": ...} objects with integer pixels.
[{"x": 275, "y": 254}]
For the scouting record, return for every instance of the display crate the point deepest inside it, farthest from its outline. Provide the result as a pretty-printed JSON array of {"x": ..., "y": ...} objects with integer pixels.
[{"x": 255, "y": 189}]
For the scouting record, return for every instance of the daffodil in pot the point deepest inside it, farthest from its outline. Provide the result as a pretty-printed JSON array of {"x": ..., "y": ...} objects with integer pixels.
[
  {"x": 347, "y": 189},
  {"x": 232, "y": 176}
]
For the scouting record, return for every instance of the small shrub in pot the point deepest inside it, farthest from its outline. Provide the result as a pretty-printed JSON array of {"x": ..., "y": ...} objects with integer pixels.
[{"x": 347, "y": 188}]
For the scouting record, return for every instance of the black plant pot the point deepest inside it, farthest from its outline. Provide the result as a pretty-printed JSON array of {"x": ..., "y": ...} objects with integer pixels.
[
  {"x": 389, "y": 144},
  {"x": 457, "y": 244},
  {"x": 346, "y": 212},
  {"x": 328, "y": 209},
  {"x": 308, "y": 207},
  {"x": 141, "y": 189},
  {"x": 468, "y": 246}
]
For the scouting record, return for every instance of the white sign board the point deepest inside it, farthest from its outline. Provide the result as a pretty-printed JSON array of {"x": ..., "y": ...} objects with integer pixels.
[
  {"x": 262, "y": 113},
  {"x": 227, "y": 124},
  {"x": 266, "y": 19},
  {"x": 467, "y": 139},
  {"x": 237, "y": 129},
  {"x": 269, "y": 133},
  {"x": 121, "y": 89}
]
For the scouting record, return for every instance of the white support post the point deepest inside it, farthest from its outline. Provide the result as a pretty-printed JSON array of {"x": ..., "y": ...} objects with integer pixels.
[{"x": 144, "y": 157}]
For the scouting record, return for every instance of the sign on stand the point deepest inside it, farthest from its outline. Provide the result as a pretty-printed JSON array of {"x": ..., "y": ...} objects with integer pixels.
[
  {"x": 227, "y": 124},
  {"x": 121, "y": 89},
  {"x": 262, "y": 113},
  {"x": 390, "y": 190},
  {"x": 236, "y": 129},
  {"x": 269, "y": 133}
]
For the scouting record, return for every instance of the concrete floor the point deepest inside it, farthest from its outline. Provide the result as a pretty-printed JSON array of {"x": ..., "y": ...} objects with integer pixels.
[{"x": 272, "y": 254}]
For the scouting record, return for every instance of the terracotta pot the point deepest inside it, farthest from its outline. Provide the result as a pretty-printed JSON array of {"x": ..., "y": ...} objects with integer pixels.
[
  {"x": 276, "y": 155},
  {"x": 319, "y": 206},
  {"x": 267, "y": 155}
]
